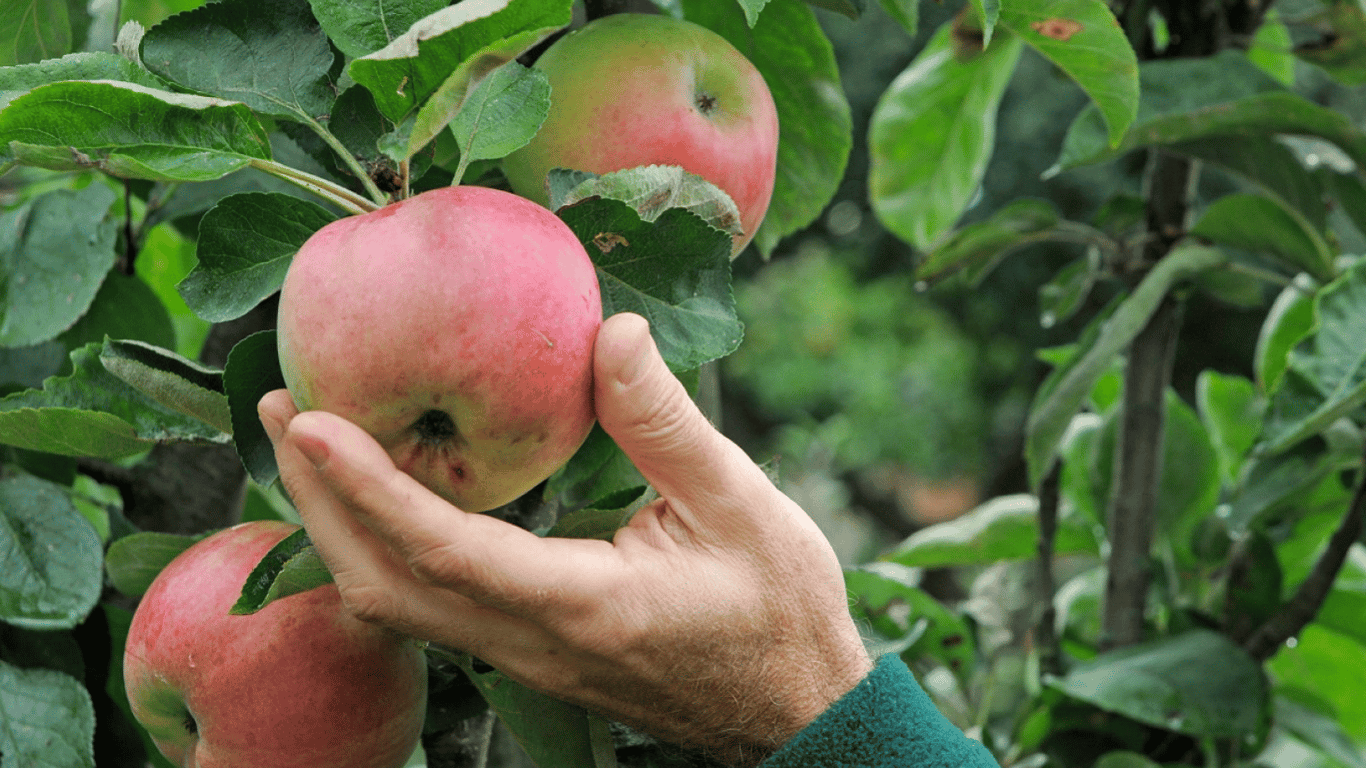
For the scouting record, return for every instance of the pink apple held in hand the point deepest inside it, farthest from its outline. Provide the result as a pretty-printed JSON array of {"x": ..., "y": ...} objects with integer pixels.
[
  {"x": 299, "y": 684},
  {"x": 637, "y": 89},
  {"x": 457, "y": 328}
]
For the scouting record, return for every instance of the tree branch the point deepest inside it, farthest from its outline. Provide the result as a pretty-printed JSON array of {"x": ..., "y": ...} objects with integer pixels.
[
  {"x": 1045, "y": 636},
  {"x": 1295, "y": 613},
  {"x": 1138, "y": 455}
]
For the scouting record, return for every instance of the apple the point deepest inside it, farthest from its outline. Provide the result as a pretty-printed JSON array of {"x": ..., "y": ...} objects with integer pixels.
[
  {"x": 637, "y": 89},
  {"x": 457, "y": 328},
  {"x": 299, "y": 684}
]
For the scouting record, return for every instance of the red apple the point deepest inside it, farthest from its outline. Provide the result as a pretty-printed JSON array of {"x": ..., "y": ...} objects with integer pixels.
[
  {"x": 299, "y": 684},
  {"x": 637, "y": 89},
  {"x": 457, "y": 328}
]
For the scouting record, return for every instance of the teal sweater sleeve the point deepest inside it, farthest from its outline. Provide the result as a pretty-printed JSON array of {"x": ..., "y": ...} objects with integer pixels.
[{"x": 887, "y": 721}]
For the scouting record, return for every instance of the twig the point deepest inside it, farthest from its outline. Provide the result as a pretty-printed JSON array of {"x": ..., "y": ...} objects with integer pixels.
[
  {"x": 1050, "y": 655},
  {"x": 1299, "y": 610}
]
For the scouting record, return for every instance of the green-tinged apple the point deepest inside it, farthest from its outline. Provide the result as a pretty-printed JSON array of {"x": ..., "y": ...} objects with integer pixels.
[
  {"x": 457, "y": 328},
  {"x": 637, "y": 89},
  {"x": 299, "y": 684}
]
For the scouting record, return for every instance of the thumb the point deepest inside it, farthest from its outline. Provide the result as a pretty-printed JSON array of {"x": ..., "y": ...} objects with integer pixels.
[{"x": 649, "y": 414}]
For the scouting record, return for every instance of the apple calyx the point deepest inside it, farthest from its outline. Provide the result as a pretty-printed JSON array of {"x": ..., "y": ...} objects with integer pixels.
[{"x": 435, "y": 427}]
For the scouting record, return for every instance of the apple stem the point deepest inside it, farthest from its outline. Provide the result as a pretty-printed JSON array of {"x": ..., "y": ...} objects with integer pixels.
[{"x": 333, "y": 193}]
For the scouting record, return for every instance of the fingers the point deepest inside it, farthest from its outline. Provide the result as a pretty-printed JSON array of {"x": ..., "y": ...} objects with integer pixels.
[
  {"x": 644, "y": 407},
  {"x": 347, "y": 488}
]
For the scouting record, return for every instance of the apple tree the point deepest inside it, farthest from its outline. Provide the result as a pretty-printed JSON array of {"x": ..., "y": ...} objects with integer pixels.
[{"x": 1175, "y": 577}]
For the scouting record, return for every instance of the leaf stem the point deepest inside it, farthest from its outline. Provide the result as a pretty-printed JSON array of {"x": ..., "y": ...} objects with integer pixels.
[
  {"x": 333, "y": 193},
  {"x": 352, "y": 164}
]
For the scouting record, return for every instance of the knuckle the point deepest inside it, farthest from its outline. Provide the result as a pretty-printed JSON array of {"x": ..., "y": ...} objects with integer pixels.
[
  {"x": 368, "y": 602},
  {"x": 440, "y": 565}
]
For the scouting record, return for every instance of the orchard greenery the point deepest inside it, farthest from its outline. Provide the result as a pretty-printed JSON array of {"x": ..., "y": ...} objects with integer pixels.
[{"x": 1175, "y": 575}]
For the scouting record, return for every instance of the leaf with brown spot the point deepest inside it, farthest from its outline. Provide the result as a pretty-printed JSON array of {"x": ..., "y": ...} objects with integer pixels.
[
  {"x": 1058, "y": 29},
  {"x": 606, "y": 241}
]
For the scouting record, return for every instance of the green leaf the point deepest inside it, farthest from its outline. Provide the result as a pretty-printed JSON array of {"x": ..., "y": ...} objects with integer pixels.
[
  {"x": 1342, "y": 52},
  {"x": 49, "y": 719},
  {"x": 291, "y": 566},
  {"x": 1328, "y": 664},
  {"x": 1003, "y": 528},
  {"x": 1319, "y": 730},
  {"x": 268, "y": 54},
  {"x": 1261, "y": 114},
  {"x": 932, "y": 135},
  {"x": 1124, "y": 759},
  {"x": 1255, "y": 223},
  {"x": 1231, "y": 411},
  {"x": 752, "y": 9},
  {"x": 94, "y": 413},
  {"x": 1331, "y": 363},
  {"x": 124, "y": 308},
  {"x": 552, "y": 733},
  {"x": 815, "y": 128},
  {"x": 650, "y": 190},
  {"x": 1067, "y": 388},
  {"x": 601, "y": 520},
  {"x": 52, "y": 556},
  {"x": 675, "y": 272},
  {"x": 449, "y": 99},
  {"x": 1061, "y": 297},
  {"x": 133, "y": 562},
  {"x": 983, "y": 243},
  {"x": 360, "y": 27},
  {"x": 852, "y": 9},
  {"x": 1287, "y": 322},
  {"x": 130, "y": 131},
  {"x": 100, "y": 65},
  {"x": 246, "y": 243},
  {"x": 1271, "y": 49},
  {"x": 987, "y": 13},
  {"x": 419, "y": 62},
  {"x": 1273, "y": 167},
  {"x": 1198, "y": 683},
  {"x": 31, "y": 30},
  {"x": 599, "y": 470},
  {"x": 253, "y": 369},
  {"x": 887, "y": 597},
  {"x": 905, "y": 12},
  {"x": 54, "y": 253},
  {"x": 1083, "y": 39},
  {"x": 26, "y": 367},
  {"x": 175, "y": 382},
  {"x": 501, "y": 114},
  {"x": 1274, "y": 486},
  {"x": 1172, "y": 89}
]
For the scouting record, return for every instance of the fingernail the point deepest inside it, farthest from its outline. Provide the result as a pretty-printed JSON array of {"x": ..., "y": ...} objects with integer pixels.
[
  {"x": 274, "y": 428},
  {"x": 313, "y": 449},
  {"x": 637, "y": 354}
]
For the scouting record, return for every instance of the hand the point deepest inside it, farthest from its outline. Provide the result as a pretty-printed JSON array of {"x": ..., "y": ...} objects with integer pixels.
[{"x": 717, "y": 618}]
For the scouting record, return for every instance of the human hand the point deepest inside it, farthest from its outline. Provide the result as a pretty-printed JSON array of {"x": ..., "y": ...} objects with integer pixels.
[{"x": 717, "y": 618}]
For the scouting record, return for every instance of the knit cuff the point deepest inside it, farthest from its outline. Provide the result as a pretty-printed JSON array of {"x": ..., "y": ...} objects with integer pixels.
[{"x": 886, "y": 720}]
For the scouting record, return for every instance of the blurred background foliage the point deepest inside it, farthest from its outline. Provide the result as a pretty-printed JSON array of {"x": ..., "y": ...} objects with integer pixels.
[{"x": 891, "y": 403}]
